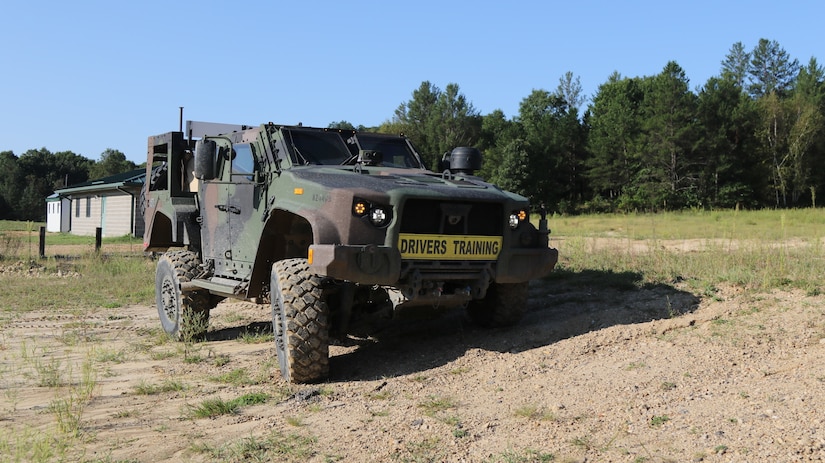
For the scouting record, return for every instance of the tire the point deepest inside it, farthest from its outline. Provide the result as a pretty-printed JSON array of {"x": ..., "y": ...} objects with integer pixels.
[
  {"x": 183, "y": 316},
  {"x": 504, "y": 305},
  {"x": 300, "y": 322}
]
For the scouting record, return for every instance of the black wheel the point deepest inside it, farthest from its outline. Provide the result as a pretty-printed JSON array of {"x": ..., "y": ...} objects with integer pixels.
[
  {"x": 183, "y": 316},
  {"x": 300, "y": 322},
  {"x": 504, "y": 305}
]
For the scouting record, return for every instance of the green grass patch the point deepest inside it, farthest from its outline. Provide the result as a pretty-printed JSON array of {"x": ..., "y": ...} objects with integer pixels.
[
  {"x": 256, "y": 337},
  {"x": 759, "y": 265},
  {"x": 658, "y": 421},
  {"x": 32, "y": 445},
  {"x": 144, "y": 388},
  {"x": 274, "y": 447},
  {"x": 20, "y": 226},
  {"x": 521, "y": 456},
  {"x": 237, "y": 377},
  {"x": 211, "y": 408},
  {"x": 725, "y": 224},
  {"x": 87, "y": 283},
  {"x": 69, "y": 239},
  {"x": 533, "y": 412},
  {"x": 435, "y": 404}
]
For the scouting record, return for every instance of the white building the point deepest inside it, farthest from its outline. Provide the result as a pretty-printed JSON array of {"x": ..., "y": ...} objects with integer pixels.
[
  {"x": 55, "y": 220},
  {"x": 110, "y": 203}
]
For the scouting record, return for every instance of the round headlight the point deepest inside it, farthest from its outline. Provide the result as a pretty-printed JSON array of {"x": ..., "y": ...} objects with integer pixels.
[
  {"x": 378, "y": 216},
  {"x": 514, "y": 221},
  {"x": 517, "y": 217}
]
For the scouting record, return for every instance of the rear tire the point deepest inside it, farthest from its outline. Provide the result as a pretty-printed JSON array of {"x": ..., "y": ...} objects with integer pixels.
[
  {"x": 300, "y": 321},
  {"x": 504, "y": 305},
  {"x": 183, "y": 316}
]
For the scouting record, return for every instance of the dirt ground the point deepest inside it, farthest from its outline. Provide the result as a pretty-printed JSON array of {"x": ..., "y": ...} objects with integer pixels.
[{"x": 592, "y": 374}]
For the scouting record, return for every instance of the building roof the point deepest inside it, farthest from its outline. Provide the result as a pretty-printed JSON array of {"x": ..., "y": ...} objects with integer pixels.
[{"x": 126, "y": 179}]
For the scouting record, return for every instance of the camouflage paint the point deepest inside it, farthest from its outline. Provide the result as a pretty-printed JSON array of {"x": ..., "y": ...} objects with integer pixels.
[{"x": 244, "y": 223}]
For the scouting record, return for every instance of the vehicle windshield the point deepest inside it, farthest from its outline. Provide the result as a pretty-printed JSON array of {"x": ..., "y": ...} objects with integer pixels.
[
  {"x": 312, "y": 146},
  {"x": 395, "y": 150},
  {"x": 317, "y": 147}
]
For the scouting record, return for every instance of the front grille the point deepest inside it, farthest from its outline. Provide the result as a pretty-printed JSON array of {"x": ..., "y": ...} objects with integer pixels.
[{"x": 427, "y": 216}]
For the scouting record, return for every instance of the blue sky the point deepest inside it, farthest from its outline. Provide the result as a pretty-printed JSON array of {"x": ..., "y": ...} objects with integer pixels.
[{"x": 90, "y": 75}]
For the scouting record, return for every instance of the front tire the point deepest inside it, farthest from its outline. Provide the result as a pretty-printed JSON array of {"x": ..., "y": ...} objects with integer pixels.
[
  {"x": 300, "y": 321},
  {"x": 503, "y": 305},
  {"x": 183, "y": 316}
]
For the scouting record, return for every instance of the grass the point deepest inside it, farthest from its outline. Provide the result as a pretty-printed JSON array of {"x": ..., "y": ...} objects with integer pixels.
[
  {"x": 274, "y": 447},
  {"x": 21, "y": 240},
  {"x": 211, "y": 408},
  {"x": 92, "y": 282},
  {"x": 71, "y": 394},
  {"x": 428, "y": 449},
  {"x": 435, "y": 404},
  {"x": 526, "y": 455},
  {"x": 755, "y": 250},
  {"x": 20, "y": 226},
  {"x": 534, "y": 412},
  {"x": 169, "y": 385},
  {"x": 658, "y": 421},
  {"x": 725, "y": 224},
  {"x": 236, "y": 377},
  {"x": 256, "y": 337},
  {"x": 24, "y": 229},
  {"x": 31, "y": 445}
]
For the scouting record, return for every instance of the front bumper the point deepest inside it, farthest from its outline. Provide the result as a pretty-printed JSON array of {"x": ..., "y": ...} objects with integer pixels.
[
  {"x": 367, "y": 264},
  {"x": 525, "y": 264},
  {"x": 381, "y": 265}
]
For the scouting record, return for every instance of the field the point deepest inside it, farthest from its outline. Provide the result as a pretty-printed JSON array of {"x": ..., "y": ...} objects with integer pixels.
[{"x": 696, "y": 336}]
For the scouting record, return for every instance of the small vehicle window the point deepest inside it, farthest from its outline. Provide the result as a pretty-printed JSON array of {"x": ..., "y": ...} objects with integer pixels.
[{"x": 243, "y": 162}]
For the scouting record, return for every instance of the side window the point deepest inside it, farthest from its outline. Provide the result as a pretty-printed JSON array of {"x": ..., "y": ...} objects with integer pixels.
[
  {"x": 77, "y": 207},
  {"x": 88, "y": 206},
  {"x": 243, "y": 161}
]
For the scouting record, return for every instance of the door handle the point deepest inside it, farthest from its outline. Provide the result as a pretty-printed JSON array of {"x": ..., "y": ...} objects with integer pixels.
[{"x": 225, "y": 208}]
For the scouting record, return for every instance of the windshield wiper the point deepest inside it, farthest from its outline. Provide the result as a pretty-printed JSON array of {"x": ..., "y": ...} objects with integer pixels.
[
  {"x": 350, "y": 160},
  {"x": 297, "y": 151}
]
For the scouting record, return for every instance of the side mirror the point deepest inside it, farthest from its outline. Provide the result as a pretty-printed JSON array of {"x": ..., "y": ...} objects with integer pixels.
[{"x": 206, "y": 152}]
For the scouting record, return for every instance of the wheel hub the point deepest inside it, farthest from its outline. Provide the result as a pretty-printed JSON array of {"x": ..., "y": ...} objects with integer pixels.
[{"x": 169, "y": 295}]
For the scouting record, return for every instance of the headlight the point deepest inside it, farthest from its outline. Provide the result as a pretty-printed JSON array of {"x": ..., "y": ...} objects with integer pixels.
[
  {"x": 513, "y": 221},
  {"x": 516, "y": 218},
  {"x": 379, "y": 216}
]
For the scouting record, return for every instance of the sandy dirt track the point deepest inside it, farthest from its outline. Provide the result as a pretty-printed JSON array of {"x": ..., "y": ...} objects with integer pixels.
[{"x": 616, "y": 374}]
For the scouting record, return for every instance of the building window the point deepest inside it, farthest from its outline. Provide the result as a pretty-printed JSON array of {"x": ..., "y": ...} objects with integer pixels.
[
  {"x": 77, "y": 207},
  {"x": 88, "y": 207}
]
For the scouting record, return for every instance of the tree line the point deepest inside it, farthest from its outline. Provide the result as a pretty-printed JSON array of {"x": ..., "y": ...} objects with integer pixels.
[
  {"x": 28, "y": 179},
  {"x": 752, "y": 136}
]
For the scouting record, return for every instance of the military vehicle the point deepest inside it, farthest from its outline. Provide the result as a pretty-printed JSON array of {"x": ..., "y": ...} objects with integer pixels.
[{"x": 337, "y": 230}]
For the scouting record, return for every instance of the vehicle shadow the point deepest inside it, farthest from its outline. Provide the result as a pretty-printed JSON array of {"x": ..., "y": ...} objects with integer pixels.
[
  {"x": 237, "y": 332},
  {"x": 563, "y": 305}
]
